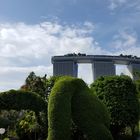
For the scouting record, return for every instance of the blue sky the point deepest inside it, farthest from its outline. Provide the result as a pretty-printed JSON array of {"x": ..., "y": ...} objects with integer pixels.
[
  {"x": 69, "y": 11},
  {"x": 31, "y": 31},
  {"x": 109, "y": 15}
]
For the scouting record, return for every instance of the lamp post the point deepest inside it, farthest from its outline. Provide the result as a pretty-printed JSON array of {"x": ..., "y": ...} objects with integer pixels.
[{"x": 2, "y": 131}]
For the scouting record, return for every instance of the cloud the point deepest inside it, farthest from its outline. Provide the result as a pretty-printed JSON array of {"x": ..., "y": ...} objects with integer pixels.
[
  {"x": 35, "y": 42},
  {"x": 14, "y": 77},
  {"x": 126, "y": 42},
  {"x": 124, "y": 4},
  {"x": 25, "y": 48},
  {"x": 116, "y": 3}
]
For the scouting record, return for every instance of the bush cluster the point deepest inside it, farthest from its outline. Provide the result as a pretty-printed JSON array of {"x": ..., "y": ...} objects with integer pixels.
[{"x": 18, "y": 100}]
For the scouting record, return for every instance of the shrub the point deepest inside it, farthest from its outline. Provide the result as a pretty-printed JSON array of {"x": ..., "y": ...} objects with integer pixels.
[
  {"x": 119, "y": 95},
  {"x": 22, "y": 100},
  {"x": 71, "y": 99}
]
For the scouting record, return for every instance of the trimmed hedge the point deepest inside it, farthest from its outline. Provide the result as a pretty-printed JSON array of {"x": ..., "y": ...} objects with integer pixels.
[
  {"x": 72, "y": 99},
  {"x": 21, "y": 100}
]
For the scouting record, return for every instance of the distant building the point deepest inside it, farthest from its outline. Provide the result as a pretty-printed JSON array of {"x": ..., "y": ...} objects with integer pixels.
[{"x": 101, "y": 64}]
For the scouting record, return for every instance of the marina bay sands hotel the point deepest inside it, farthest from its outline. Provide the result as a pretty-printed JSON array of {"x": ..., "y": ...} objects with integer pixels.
[{"x": 101, "y": 64}]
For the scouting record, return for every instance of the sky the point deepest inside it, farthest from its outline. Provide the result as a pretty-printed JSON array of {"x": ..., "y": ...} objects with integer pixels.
[{"x": 32, "y": 31}]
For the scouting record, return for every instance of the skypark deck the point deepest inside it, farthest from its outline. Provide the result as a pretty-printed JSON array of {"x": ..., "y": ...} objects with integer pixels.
[
  {"x": 101, "y": 64},
  {"x": 125, "y": 60}
]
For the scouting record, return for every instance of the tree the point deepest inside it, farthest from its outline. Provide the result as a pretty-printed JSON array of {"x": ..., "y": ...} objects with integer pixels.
[
  {"x": 51, "y": 81},
  {"x": 120, "y": 96},
  {"x": 36, "y": 84},
  {"x": 137, "y": 82}
]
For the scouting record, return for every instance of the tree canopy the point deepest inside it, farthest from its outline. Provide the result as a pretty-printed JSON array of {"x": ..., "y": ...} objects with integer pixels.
[
  {"x": 36, "y": 84},
  {"x": 120, "y": 96}
]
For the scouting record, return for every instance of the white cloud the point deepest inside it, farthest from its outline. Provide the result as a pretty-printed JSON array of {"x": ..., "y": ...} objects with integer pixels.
[
  {"x": 126, "y": 43},
  {"x": 125, "y": 4},
  {"x": 116, "y": 3},
  {"x": 25, "y": 48},
  {"x": 37, "y": 41},
  {"x": 125, "y": 40},
  {"x": 14, "y": 77}
]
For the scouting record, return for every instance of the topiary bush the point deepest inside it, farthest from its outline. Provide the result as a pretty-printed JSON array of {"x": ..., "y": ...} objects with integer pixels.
[
  {"x": 120, "y": 96},
  {"x": 18, "y": 100},
  {"x": 71, "y": 99}
]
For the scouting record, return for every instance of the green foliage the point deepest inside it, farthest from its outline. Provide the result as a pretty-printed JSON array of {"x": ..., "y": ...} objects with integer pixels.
[
  {"x": 71, "y": 99},
  {"x": 27, "y": 126},
  {"x": 4, "y": 122},
  {"x": 8, "y": 118},
  {"x": 36, "y": 84},
  {"x": 6, "y": 139},
  {"x": 21, "y": 100},
  {"x": 24, "y": 100},
  {"x": 51, "y": 81},
  {"x": 39, "y": 85},
  {"x": 119, "y": 95},
  {"x": 137, "y": 82}
]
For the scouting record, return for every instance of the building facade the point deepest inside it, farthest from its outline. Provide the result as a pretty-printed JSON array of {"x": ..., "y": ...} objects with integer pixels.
[{"x": 102, "y": 65}]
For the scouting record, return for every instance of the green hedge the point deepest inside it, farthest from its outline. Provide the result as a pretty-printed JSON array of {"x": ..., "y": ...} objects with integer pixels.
[
  {"x": 72, "y": 99},
  {"x": 21, "y": 100}
]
